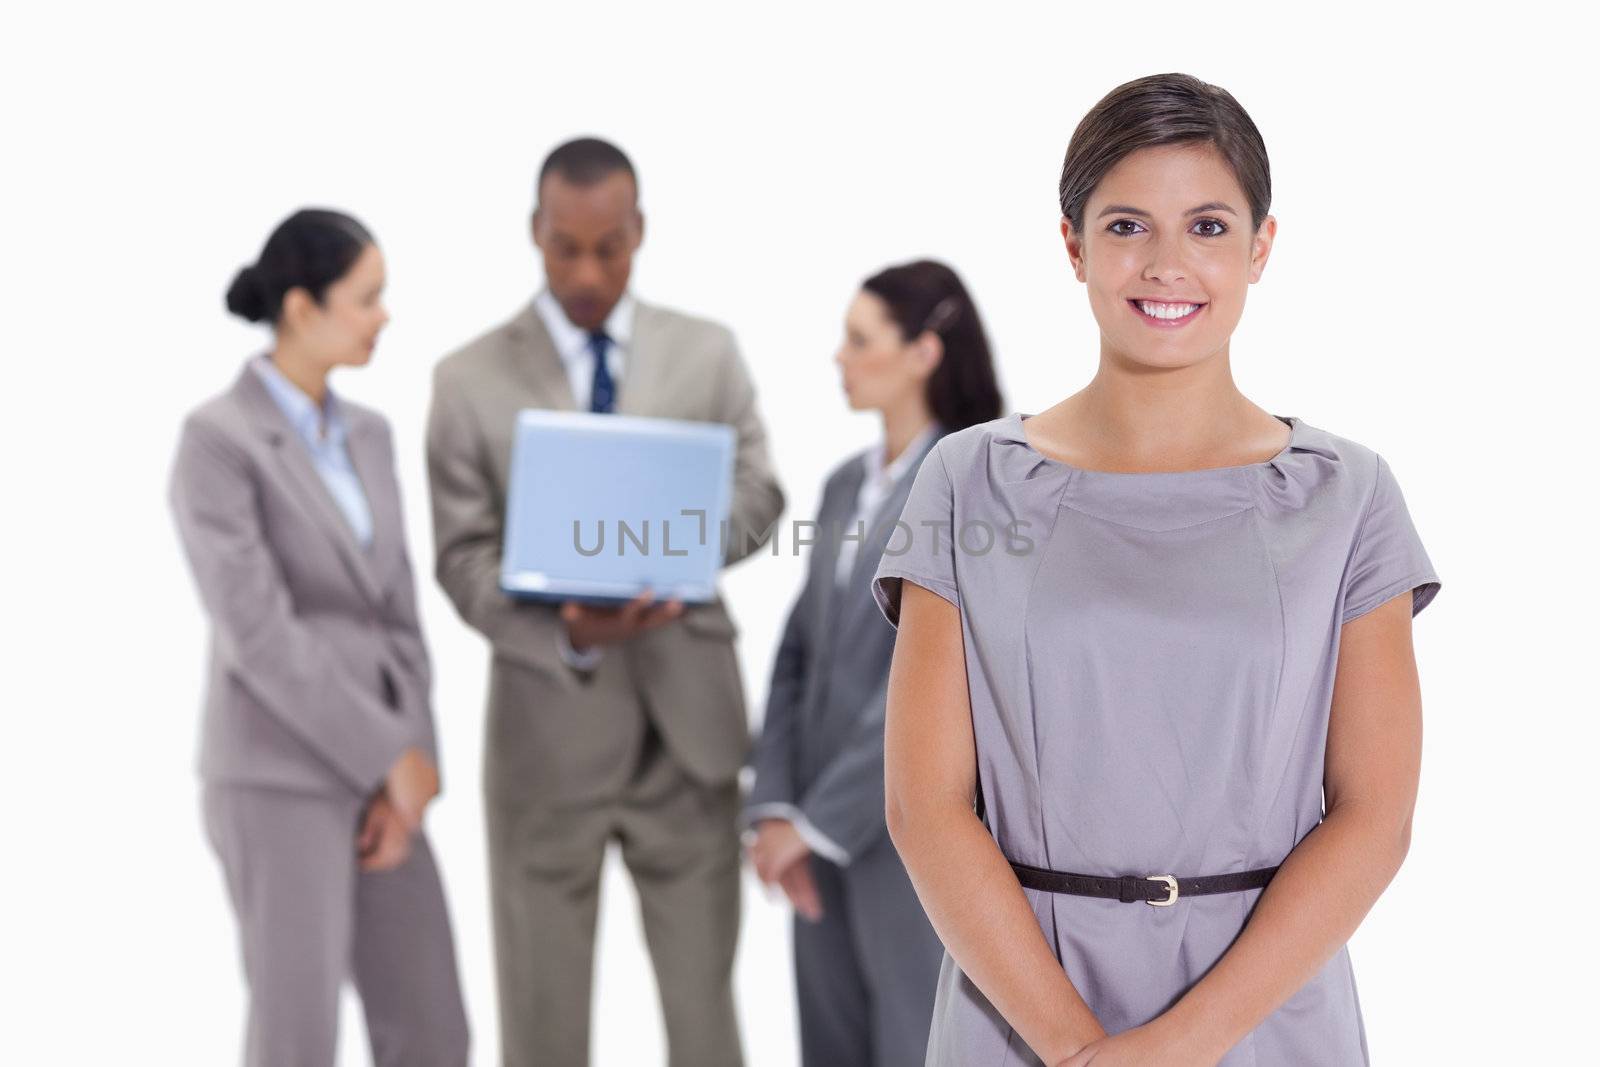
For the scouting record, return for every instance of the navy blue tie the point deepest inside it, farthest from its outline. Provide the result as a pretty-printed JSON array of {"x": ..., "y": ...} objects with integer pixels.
[{"x": 603, "y": 393}]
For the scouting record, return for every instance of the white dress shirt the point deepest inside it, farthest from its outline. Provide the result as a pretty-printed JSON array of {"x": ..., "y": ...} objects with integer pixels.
[
  {"x": 878, "y": 483},
  {"x": 572, "y": 345}
]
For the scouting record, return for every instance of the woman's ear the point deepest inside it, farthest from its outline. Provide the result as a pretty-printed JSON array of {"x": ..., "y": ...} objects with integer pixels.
[
  {"x": 1074, "y": 243},
  {"x": 297, "y": 309},
  {"x": 930, "y": 351},
  {"x": 1261, "y": 247}
]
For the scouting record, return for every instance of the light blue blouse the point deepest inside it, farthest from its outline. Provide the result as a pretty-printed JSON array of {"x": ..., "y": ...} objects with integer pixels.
[{"x": 328, "y": 452}]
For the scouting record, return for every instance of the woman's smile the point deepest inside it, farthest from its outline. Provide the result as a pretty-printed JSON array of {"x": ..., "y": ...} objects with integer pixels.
[{"x": 1164, "y": 315}]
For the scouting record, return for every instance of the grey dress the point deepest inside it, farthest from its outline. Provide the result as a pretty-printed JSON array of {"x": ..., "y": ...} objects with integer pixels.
[{"x": 1150, "y": 661}]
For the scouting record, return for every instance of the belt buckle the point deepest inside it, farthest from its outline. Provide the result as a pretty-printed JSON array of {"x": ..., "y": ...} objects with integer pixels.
[{"x": 1172, "y": 889}]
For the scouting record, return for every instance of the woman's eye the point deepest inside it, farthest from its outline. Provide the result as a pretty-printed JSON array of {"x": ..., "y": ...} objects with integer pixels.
[
  {"x": 1218, "y": 232},
  {"x": 1122, "y": 222}
]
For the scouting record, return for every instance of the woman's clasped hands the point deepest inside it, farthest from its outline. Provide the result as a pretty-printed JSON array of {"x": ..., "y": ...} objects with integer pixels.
[
  {"x": 781, "y": 857},
  {"x": 1155, "y": 1044},
  {"x": 394, "y": 813}
]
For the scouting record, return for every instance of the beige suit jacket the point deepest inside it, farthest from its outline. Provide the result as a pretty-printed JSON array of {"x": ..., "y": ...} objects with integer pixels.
[{"x": 555, "y": 733}]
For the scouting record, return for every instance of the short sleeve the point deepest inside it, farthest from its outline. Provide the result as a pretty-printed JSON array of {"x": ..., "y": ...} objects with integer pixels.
[
  {"x": 1388, "y": 558},
  {"x": 921, "y": 546}
]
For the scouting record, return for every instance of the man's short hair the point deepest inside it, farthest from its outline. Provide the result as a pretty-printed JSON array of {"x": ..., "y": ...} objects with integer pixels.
[{"x": 585, "y": 161}]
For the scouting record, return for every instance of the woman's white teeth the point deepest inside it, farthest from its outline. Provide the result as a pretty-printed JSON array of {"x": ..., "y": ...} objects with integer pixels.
[{"x": 1166, "y": 311}]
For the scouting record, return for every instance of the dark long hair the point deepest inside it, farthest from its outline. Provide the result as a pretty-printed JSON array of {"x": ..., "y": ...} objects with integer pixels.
[
  {"x": 927, "y": 295},
  {"x": 1164, "y": 109},
  {"x": 311, "y": 249}
]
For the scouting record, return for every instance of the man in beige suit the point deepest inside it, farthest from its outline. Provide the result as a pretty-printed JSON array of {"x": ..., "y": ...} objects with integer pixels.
[{"x": 622, "y": 725}]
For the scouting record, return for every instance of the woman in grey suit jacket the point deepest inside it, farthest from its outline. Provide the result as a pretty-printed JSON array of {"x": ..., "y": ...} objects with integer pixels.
[
  {"x": 317, "y": 754},
  {"x": 866, "y": 957}
]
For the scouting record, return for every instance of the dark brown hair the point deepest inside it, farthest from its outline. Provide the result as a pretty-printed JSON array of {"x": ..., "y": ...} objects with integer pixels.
[
  {"x": 927, "y": 295},
  {"x": 1164, "y": 109}
]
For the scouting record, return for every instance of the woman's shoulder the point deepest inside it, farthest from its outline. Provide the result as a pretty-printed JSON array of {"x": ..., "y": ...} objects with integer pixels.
[
  {"x": 1326, "y": 478},
  {"x": 1318, "y": 460},
  {"x": 846, "y": 468},
  {"x": 220, "y": 418},
  {"x": 969, "y": 440},
  {"x": 967, "y": 450}
]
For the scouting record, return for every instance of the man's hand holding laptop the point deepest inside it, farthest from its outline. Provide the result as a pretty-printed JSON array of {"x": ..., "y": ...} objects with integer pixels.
[{"x": 589, "y": 624}]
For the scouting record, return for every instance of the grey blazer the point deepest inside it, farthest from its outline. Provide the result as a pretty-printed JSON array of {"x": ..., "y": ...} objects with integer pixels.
[
  {"x": 318, "y": 676},
  {"x": 821, "y": 743},
  {"x": 557, "y": 734}
]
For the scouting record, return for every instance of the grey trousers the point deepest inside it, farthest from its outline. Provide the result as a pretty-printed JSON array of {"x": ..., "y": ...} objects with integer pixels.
[
  {"x": 309, "y": 917},
  {"x": 866, "y": 973},
  {"x": 679, "y": 842}
]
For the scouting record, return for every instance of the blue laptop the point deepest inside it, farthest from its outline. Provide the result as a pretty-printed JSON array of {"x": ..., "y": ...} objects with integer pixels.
[{"x": 602, "y": 507}]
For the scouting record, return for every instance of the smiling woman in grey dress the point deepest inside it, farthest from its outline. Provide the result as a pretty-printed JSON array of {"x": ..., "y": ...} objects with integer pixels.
[{"x": 1144, "y": 630}]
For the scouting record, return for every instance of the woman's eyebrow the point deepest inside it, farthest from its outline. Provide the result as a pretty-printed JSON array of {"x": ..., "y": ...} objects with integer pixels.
[{"x": 1124, "y": 209}]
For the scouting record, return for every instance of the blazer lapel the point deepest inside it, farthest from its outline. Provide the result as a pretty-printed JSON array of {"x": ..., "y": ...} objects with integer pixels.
[
  {"x": 640, "y": 390},
  {"x": 365, "y": 445},
  {"x": 833, "y": 523},
  {"x": 295, "y": 463},
  {"x": 881, "y": 529},
  {"x": 537, "y": 362}
]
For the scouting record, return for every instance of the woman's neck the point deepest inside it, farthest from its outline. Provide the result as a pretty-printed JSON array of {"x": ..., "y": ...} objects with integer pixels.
[
  {"x": 901, "y": 425},
  {"x": 306, "y": 373}
]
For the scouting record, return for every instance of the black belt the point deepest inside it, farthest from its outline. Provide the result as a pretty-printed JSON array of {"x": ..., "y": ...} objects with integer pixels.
[{"x": 1157, "y": 889}]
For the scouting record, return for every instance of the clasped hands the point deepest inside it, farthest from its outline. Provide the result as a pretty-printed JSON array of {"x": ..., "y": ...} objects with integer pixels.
[
  {"x": 1155, "y": 1044},
  {"x": 781, "y": 857},
  {"x": 394, "y": 813}
]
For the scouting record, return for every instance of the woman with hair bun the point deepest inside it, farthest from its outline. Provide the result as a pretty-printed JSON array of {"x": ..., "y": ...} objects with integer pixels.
[
  {"x": 317, "y": 754},
  {"x": 1154, "y": 724},
  {"x": 866, "y": 960}
]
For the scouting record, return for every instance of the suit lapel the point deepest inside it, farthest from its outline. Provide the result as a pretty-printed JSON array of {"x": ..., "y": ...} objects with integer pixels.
[
  {"x": 881, "y": 529},
  {"x": 833, "y": 522},
  {"x": 367, "y": 456},
  {"x": 536, "y": 361},
  {"x": 640, "y": 391},
  {"x": 295, "y": 463},
  {"x": 540, "y": 364}
]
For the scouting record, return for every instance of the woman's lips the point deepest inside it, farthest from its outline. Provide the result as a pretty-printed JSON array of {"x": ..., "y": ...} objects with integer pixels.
[{"x": 1167, "y": 323}]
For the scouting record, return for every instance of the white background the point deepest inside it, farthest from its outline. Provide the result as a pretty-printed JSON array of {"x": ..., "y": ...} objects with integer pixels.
[{"x": 1430, "y": 295}]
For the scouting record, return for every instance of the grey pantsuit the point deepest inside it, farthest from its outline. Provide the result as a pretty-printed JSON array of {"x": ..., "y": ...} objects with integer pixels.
[
  {"x": 865, "y": 974},
  {"x": 645, "y": 747},
  {"x": 318, "y": 680},
  {"x": 308, "y": 917}
]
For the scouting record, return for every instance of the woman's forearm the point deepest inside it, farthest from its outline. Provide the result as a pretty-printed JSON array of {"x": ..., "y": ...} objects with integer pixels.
[
  {"x": 1322, "y": 891},
  {"x": 980, "y": 912}
]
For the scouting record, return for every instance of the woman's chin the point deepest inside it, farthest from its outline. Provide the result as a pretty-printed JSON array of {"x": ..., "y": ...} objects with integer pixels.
[{"x": 1174, "y": 353}]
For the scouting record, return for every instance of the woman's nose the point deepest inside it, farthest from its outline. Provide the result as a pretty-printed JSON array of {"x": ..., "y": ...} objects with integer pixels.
[{"x": 1166, "y": 261}]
